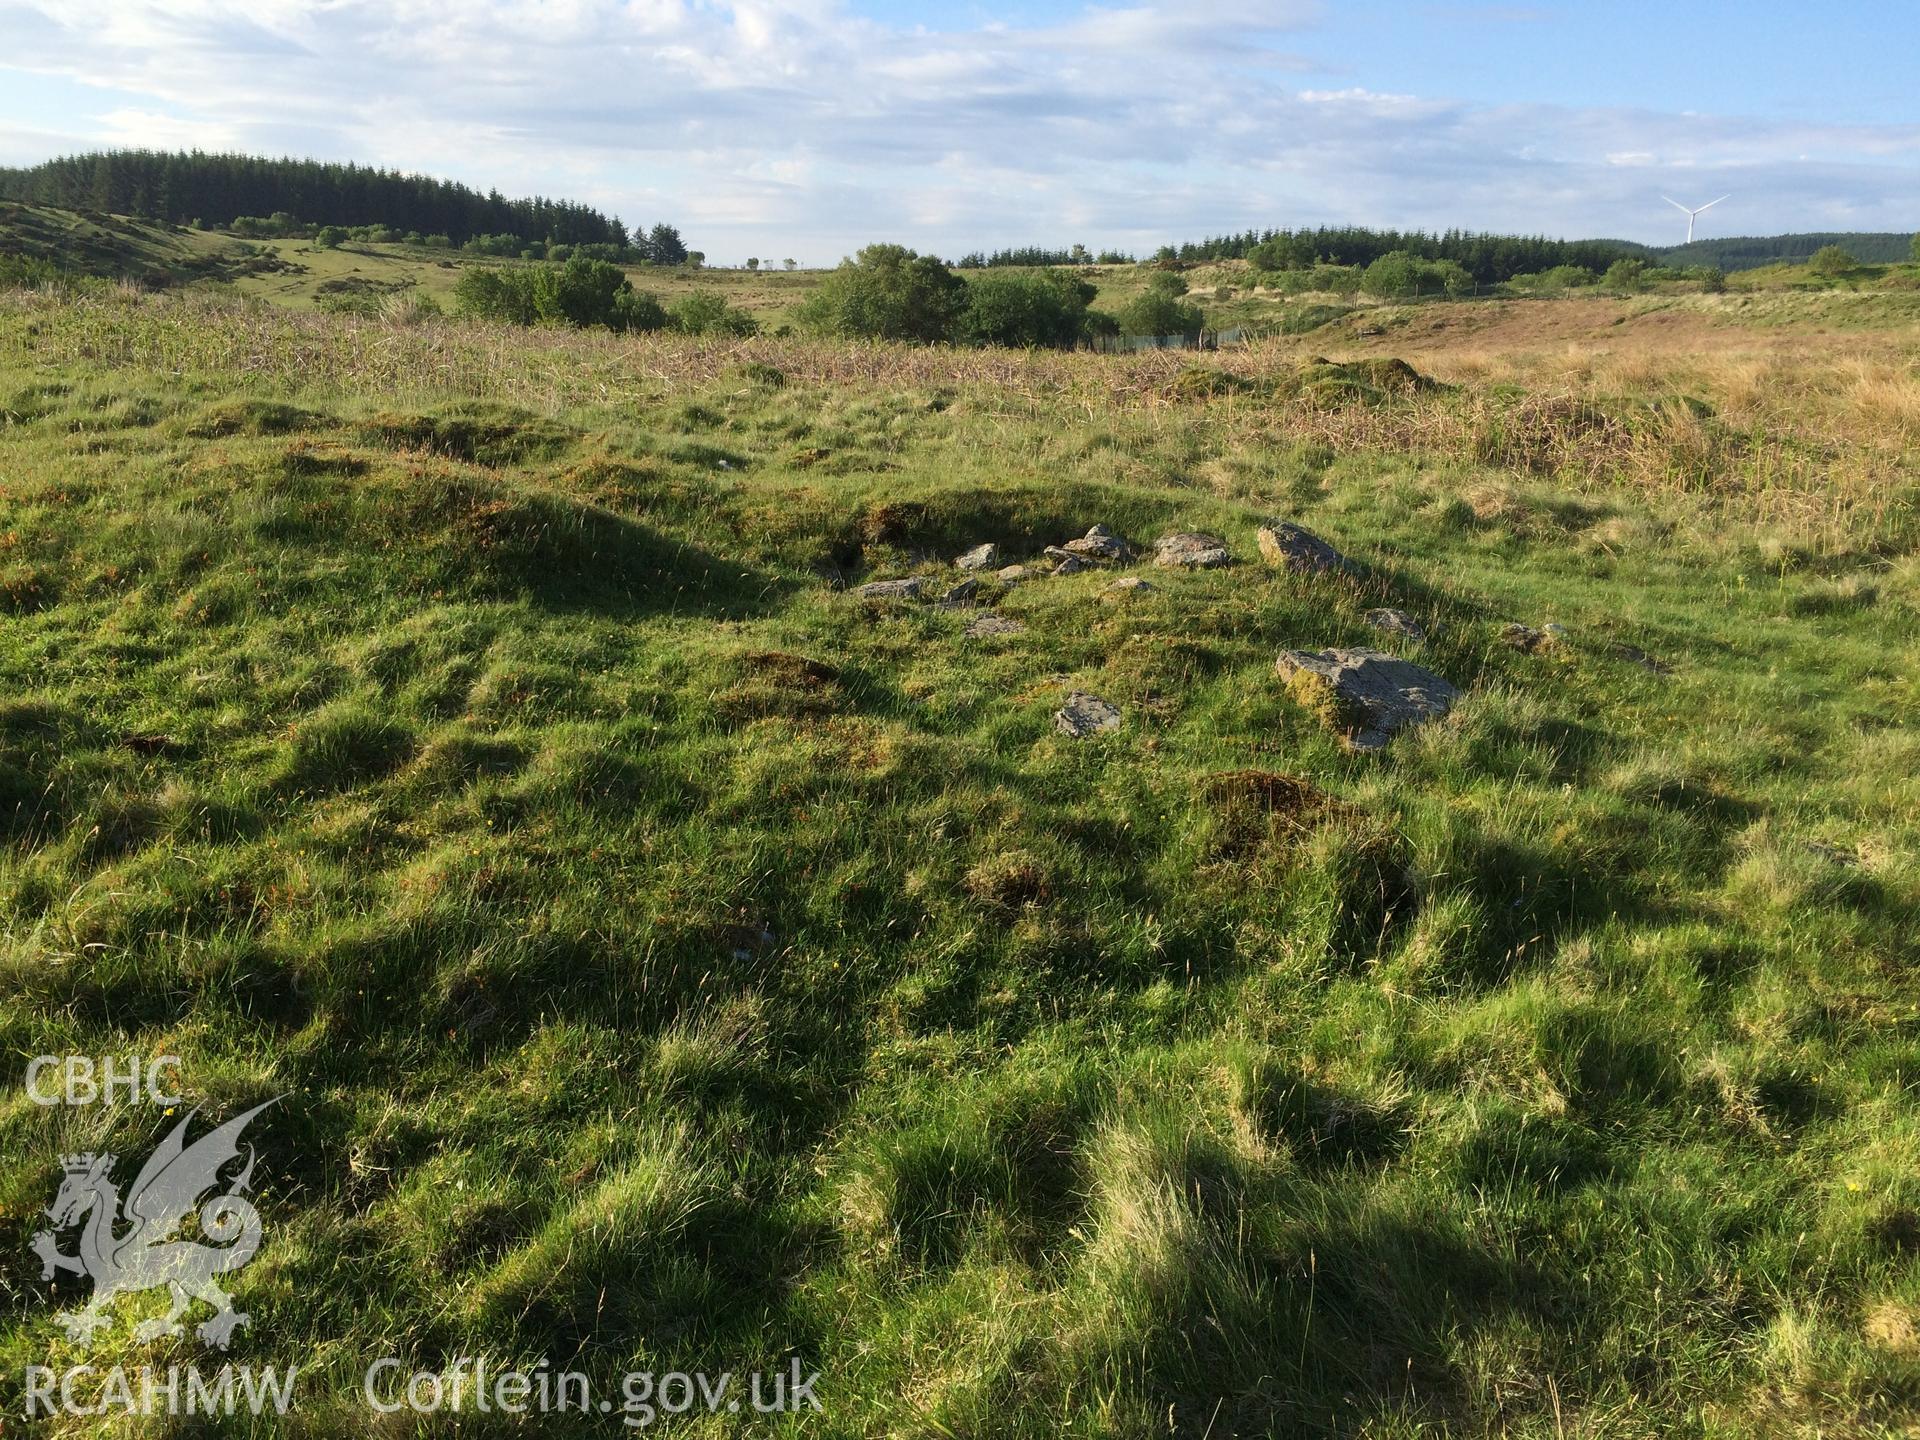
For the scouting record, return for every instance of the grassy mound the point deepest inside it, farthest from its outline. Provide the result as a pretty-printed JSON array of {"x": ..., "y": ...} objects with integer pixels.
[{"x": 670, "y": 962}]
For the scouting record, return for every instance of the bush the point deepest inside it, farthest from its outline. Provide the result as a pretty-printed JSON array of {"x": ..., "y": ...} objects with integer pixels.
[
  {"x": 1560, "y": 277},
  {"x": 26, "y": 271},
  {"x": 1391, "y": 276},
  {"x": 580, "y": 293},
  {"x": 706, "y": 312},
  {"x": 1160, "y": 313},
  {"x": 1399, "y": 274},
  {"x": 1626, "y": 274},
  {"x": 330, "y": 237},
  {"x": 637, "y": 310},
  {"x": 500, "y": 295},
  {"x": 1449, "y": 275},
  {"x": 887, "y": 292},
  {"x": 1831, "y": 260},
  {"x": 1915, "y": 248},
  {"x": 1026, "y": 308}
]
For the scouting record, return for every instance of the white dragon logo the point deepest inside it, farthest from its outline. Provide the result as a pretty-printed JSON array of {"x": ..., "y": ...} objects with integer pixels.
[{"x": 147, "y": 1253}]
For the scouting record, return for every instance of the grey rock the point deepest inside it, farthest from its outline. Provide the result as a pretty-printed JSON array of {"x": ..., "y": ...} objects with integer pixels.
[
  {"x": 1099, "y": 543},
  {"x": 1085, "y": 715},
  {"x": 988, "y": 625},
  {"x": 1128, "y": 585},
  {"x": 1072, "y": 565},
  {"x": 1396, "y": 622},
  {"x": 907, "y": 589},
  {"x": 1383, "y": 695},
  {"x": 1636, "y": 656},
  {"x": 981, "y": 557},
  {"x": 1289, "y": 547},
  {"x": 1014, "y": 574},
  {"x": 1194, "y": 549},
  {"x": 960, "y": 596}
]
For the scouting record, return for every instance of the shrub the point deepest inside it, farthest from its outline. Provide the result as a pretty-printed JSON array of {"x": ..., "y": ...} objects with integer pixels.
[
  {"x": 1830, "y": 260},
  {"x": 1915, "y": 248},
  {"x": 1026, "y": 308},
  {"x": 706, "y": 312},
  {"x": 887, "y": 292},
  {"x": 330, "y": 237},
  {"x": 1560, "y": 277},
  {"x": 501, "y": 295},
  {"x": 1392, "y": 275},
  {"x": 1158, "y": 313},
  {"x": 580, "y": 292},
  {"x": 1450, "y": 276},
  {"x": 637, "y": 310},
  {"x": 1400, "y": 274},
  {"x": 1626, "y": 274}
]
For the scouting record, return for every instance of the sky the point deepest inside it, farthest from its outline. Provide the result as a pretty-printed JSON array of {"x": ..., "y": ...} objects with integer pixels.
[{"x": 807, "y": 128}]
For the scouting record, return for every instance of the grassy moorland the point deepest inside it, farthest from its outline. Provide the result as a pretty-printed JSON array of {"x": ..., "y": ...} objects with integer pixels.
[{"x": 670, "y": 960}]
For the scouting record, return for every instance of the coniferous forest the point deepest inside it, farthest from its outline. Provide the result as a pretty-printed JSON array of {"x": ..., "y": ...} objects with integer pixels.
[{"x": 185, "y": 186}]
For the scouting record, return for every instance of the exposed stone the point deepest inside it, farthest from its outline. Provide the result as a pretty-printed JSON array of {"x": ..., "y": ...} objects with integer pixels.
[
  {"x": 1396, "y": 622},
  {"x": 1128, "y": 585},
  {"x": 1528, "y": 639},
  {"x": 981, "y": 557},
  {"x": 1367, "y": 695},
  {"x": 1290, "y": 547},
  {"x": 1194, "y": 549},
  {"x": 1085, "y": 715},
  {"x": 987, "y": 625},
  {"x": 1072, "y": 565},
  {"x": 1635, "y": 656},
  {"x": 907, "y": 589},
  {"x": 960, "y": 596},
  {"x": 1014, "y": 574},
  {"x": 1099, "y": 543}
]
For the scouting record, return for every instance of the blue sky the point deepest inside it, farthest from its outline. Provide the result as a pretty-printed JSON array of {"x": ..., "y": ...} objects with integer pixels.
[{"x": 808, "y": 127}]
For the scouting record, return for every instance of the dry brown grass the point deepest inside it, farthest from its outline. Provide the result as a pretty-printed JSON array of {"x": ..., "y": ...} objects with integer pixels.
[{"x": 1793, "y": 429}]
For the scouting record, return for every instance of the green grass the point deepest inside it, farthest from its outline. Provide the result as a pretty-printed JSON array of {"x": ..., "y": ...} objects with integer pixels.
[{"x": 670, "y": 961}]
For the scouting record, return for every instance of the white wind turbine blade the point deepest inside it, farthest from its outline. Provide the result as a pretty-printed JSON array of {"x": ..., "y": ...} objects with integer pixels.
[
  {"x": 1676, "y": 205},
  {"x": 1710, "y": 204}
]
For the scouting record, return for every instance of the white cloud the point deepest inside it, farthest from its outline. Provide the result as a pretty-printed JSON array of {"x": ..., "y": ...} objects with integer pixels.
[{"x": 797, "y": 127}]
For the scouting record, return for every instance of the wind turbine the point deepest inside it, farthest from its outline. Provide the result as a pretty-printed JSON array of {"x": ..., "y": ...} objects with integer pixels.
[{"x": 1693, "y": 215}]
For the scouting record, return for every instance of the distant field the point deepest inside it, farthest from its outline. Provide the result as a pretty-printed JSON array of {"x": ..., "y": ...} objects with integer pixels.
[
  {"x": 671, "y": 960},
  {"x": 298, "y": 274}
]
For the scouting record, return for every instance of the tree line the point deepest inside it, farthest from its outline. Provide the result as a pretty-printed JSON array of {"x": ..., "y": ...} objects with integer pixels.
[
  {"x": 1035, "y": 256},
  {"x": 1488, "y": 259},
  {"x": 1750, "y": 252},
  {"x": 184, "y": 186}
]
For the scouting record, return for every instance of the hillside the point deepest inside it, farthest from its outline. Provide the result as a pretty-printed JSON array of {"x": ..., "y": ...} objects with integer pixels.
[
  {"x": 119, "y": 248},
  {"x": 669, "y": 958},
  {"x": 181, "y": 187},
  {"x": 1750, "y": 252}
]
